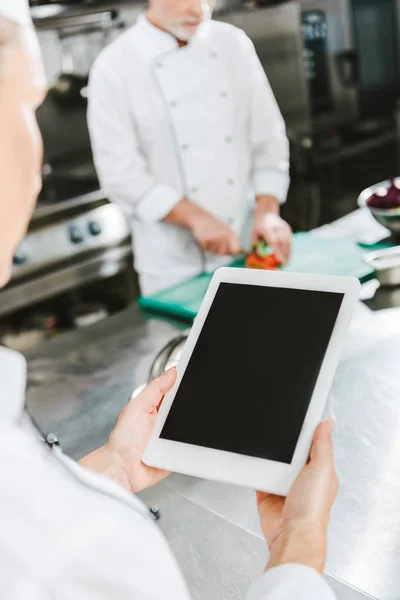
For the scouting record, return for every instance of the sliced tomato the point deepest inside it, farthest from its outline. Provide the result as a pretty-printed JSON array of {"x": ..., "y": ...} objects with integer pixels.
[{"x": 254, "y": 261}]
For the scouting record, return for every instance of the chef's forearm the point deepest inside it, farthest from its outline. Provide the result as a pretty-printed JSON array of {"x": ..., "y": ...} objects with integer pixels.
[
  {"x": 267, "y": 203},
  {"x": 185, "y": 213}
]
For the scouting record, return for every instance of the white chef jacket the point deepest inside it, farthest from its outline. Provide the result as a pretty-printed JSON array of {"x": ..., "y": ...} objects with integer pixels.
[
  {"x": 71, "y": 534},
  {"x": 199, "y": 122}
]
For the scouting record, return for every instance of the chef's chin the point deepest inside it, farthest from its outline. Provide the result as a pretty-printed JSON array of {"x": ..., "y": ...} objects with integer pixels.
[{"x": 185, "y": 34}]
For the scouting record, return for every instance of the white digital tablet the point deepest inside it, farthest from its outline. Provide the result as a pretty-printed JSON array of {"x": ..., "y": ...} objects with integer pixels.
[{"x": 254, "y": 377}]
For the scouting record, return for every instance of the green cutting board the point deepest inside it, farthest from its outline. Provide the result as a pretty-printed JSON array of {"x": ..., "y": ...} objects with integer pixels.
[{"x": 310, "y": 254}]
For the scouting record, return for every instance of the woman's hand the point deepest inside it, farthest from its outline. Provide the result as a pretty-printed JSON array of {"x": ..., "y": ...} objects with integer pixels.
[
  {"x": 121, "y": 457},
  {"x": 295, "y": 527}
]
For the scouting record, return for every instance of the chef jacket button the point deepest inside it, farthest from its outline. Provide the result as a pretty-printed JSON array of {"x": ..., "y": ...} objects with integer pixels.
[
  {"x": 213, "y": 54},
  {"x": 230, "y": 181},
  {"x": 194, "y": 189},
  {"x": 155, "y": 512},
  {"x": 228, "y": 139},
  {"x": 224, "y": 94},
  {"x": 184, "y": 146},
  {"x": 52, "y": 440},
  {"x": 173, "y": 104},
  {"x": 159, "y": 65}
]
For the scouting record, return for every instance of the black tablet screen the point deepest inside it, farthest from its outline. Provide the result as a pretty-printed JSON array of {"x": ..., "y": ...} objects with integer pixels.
[{"x": 251, "y": 376}]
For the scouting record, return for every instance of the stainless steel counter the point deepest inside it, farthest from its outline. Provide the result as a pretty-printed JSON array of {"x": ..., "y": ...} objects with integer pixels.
[{"x": 79, "y": 382}]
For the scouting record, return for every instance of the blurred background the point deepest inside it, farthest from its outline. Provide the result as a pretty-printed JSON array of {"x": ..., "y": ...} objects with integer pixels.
[{"x": 334, "y": 68}]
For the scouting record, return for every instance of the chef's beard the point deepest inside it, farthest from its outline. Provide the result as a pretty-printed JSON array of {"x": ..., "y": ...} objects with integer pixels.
[
  {"x": 180, "y": 32},
  {"x": 186, "y": 34}
]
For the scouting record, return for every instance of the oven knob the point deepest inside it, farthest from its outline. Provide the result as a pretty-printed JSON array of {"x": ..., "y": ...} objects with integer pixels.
[
  {"x": 20, "y": 258},
  {"x": 94, "y": 228},
  {"x": 75, "y": 234}
]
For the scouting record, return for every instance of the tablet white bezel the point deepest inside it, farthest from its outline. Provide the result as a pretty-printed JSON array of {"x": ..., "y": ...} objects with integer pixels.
[{"x": 257, "y": 473}]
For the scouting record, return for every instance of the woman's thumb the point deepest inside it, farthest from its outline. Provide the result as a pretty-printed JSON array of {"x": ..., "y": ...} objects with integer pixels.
[{"x": 322, "y": 447}]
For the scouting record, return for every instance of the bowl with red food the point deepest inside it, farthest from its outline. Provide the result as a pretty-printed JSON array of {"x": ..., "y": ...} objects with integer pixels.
[{"x": 383, "y": 201}]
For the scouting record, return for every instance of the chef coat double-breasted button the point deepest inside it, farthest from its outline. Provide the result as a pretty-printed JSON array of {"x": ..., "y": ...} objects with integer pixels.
[
  {"x": 228, "y": 139},
  {"x": 213, "y": 54},
  {"x": 194, "y": 189},
  {"x": 230, "y": 181},
  {"x": 173, "y": 104},
  {"x": 184, "y": 147},
  {"x": 155, "y": 512},
  {"x": 224, "y": 94}
]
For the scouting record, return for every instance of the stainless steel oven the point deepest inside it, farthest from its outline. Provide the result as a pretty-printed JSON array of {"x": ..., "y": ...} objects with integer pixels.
[
  {"x": 352, "y": 58},
  {"x": 330, "y": 61},
  {"x": 308, "y": 52},
  {"x": 375, "y": 25}
]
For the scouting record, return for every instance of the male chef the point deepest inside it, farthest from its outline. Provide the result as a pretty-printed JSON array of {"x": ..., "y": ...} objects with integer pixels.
[{"x": 183, "y": 124}]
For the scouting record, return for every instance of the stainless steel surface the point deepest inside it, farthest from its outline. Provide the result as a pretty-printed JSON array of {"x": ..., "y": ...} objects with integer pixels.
[
  {"x": 60, "y": 16},
  {"x": 389, "y": 218},
  {"x": 79, "y": 383},
  {"x": 51, "y": 210},
  {"x": 105, "y": 264},
  {"x": 386, "y": 264},
  {"x": 276, "y": 34},
  {"x": 46, "y": 246}
]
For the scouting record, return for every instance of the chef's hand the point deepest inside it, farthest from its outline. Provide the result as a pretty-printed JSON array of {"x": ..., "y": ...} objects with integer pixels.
[
  {"x": 270, "y": 227},
  {"x": 295, "y": 527},
  {"x": 214, "y": 236},
  {"x": 211, "y": 233},
  {"x": 121, "y": 457}
]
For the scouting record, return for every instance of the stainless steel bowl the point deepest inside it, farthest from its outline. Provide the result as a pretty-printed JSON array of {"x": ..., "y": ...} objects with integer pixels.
[
  {"x": 168, "y": 356},
  {"x": 390, "y": 217},
  {"x": 386, "y": 264}
]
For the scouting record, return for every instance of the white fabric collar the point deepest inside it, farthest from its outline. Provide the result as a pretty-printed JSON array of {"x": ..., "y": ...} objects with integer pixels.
[
  {"x": 12, "y": 386},
  {"x": 16, "y": 10},
  {"x": 162, "y": 41}
]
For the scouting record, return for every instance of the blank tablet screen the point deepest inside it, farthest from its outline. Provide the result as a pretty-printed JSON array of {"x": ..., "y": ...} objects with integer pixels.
[{"x": 251, "y": 376}]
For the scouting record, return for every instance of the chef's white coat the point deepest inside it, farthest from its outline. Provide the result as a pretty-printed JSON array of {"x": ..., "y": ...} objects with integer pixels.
[
  {"x": 67, "y": 533},
  {"x": 199, "y": 122}
]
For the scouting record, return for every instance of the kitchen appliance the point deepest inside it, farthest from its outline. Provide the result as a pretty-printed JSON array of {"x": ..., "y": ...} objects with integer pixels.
[
  {"x": 330, "y": 61},
  {"x": 386, "y": 264},
  {"x": 375, "y": 26},
  {"x": 352, "y": 57},
  {"x": 69, "y": 244}
]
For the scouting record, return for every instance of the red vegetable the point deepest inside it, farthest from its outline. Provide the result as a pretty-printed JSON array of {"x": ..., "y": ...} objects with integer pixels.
[
  {"x": 255, "y": 261},
  {"x": 386, "y": 198}
]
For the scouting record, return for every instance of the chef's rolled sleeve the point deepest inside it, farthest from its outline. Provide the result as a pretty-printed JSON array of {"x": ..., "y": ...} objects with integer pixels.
[
  {"x": 271, "y": 182},
  {"x": 289, "y": 582},
  {"x": 157, "y": 203}
]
